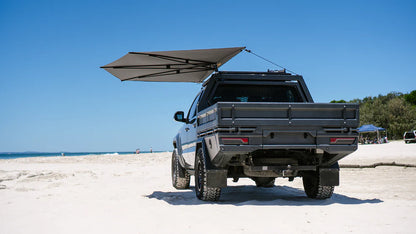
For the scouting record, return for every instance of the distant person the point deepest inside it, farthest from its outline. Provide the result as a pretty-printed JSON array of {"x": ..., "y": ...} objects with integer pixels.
[
  {"x": 137, "y": 151},
  {"x": 361, "y": 140},
  {"x": 151, "y": 150}
]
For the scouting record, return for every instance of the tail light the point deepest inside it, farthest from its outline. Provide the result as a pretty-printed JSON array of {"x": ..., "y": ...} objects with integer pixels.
[
  {"x": 342, "y": 140},
  {"x": 234, "y": 140}
]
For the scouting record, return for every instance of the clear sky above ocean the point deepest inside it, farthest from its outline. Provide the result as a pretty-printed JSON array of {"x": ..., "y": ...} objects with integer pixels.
[{"x": 54, "y": 96}]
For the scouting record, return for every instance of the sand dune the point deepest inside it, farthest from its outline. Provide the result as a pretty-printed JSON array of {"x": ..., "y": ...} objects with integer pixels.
[{"x": 133, "y": 194}]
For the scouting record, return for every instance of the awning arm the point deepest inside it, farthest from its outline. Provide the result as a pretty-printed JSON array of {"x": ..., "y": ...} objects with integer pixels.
[
  {"x": 171, "y": 58},
  {"x": 175, "y": 68},
  {"x": 166, "y": 73},
  {"x": 179, "y": 62}
]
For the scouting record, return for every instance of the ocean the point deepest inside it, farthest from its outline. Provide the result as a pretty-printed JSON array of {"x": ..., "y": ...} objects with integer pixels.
[{"x": 11, "y": 155}]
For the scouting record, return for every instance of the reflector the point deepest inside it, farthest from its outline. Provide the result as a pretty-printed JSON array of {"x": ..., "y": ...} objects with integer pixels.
[
  {"x": 234, "y": 140},
  {"x": 342, "y": 140}
]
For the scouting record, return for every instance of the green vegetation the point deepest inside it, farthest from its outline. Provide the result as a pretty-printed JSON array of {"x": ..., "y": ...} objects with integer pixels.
[
  {"x": 340, "y": 101},
  {"x": 411, "y": 97},
  {"x": 395, "y": 112}
]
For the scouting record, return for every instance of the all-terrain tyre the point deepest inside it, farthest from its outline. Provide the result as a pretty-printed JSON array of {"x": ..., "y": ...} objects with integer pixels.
[
  {"x": 265, "y": 182},
  {"x": 313, "y": 189},
  {"x": 202, "y": 191},
  {"x": 180, "y": 177}
]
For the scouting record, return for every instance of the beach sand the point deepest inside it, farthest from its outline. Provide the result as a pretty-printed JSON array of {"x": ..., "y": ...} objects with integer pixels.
[{"x": 133, "y": 194}]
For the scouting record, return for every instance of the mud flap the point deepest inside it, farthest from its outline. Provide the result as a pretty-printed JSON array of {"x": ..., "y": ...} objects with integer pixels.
[
  {"x": 328, "y": 176},
  {"x": 182, "y": 171},
  {"x": 217, "y": 178}
]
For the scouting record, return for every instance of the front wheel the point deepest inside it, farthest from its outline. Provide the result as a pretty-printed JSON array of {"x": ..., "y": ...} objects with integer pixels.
[
  {"x": 180, "y": 177},
  {"x": 202, "y": 191},
  {"x": 314, "y": 189}
]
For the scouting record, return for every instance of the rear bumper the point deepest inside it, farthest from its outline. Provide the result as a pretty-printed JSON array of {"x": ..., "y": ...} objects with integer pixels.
[
  {"x": 226, "y": 152},
  {"x": 245, "y": 149}
]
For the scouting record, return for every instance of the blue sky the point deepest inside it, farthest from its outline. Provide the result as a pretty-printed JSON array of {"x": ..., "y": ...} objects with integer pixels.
[{"x": 54, "y": 96}]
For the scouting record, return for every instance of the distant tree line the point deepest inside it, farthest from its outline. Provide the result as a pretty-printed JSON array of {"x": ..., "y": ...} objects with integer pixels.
[{"x": 395, "y": 112}]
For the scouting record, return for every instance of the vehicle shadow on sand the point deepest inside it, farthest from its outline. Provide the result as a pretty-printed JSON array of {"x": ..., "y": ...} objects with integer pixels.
[{"x": 251, "y": 195}]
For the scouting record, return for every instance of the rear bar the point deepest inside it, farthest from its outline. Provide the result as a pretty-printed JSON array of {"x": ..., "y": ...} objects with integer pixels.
[
  {"x": 282, "y": 168},
  {"x": 244, "y": 149}
]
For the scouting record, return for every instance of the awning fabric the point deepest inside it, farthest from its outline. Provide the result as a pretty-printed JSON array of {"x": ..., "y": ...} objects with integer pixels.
[
  {"x": 171, "y": 66},
  {"x": 370, "y": 128}
]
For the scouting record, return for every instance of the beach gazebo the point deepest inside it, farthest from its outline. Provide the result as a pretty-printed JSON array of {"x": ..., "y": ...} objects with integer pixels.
[{"x": 371, "y": 128}]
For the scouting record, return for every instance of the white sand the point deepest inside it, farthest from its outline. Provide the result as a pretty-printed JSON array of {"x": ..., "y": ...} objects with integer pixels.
[{"x": 133, "y": 194}]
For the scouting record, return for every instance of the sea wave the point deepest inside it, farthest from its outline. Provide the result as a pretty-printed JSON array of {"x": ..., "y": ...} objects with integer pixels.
[{"x": 111, "y": 154}]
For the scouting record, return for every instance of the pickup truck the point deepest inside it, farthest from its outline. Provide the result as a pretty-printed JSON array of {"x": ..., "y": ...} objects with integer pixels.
[{"x": 261, "y": 125}]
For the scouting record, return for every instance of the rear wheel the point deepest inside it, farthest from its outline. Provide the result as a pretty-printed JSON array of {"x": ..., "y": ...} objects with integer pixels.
[
  {"x": 265, "y": 182},
  {"x": 202, "y": 190},
  {"x": 314, "y": 189},
  {"x": 180, "y": 177}
]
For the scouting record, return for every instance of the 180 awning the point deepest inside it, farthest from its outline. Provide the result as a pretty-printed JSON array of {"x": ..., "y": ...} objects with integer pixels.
[{"x": 171, "y": 66}]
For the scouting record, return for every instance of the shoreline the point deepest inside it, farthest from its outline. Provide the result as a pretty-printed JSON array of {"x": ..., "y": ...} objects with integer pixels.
[{"x": 68, "y": 154}]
